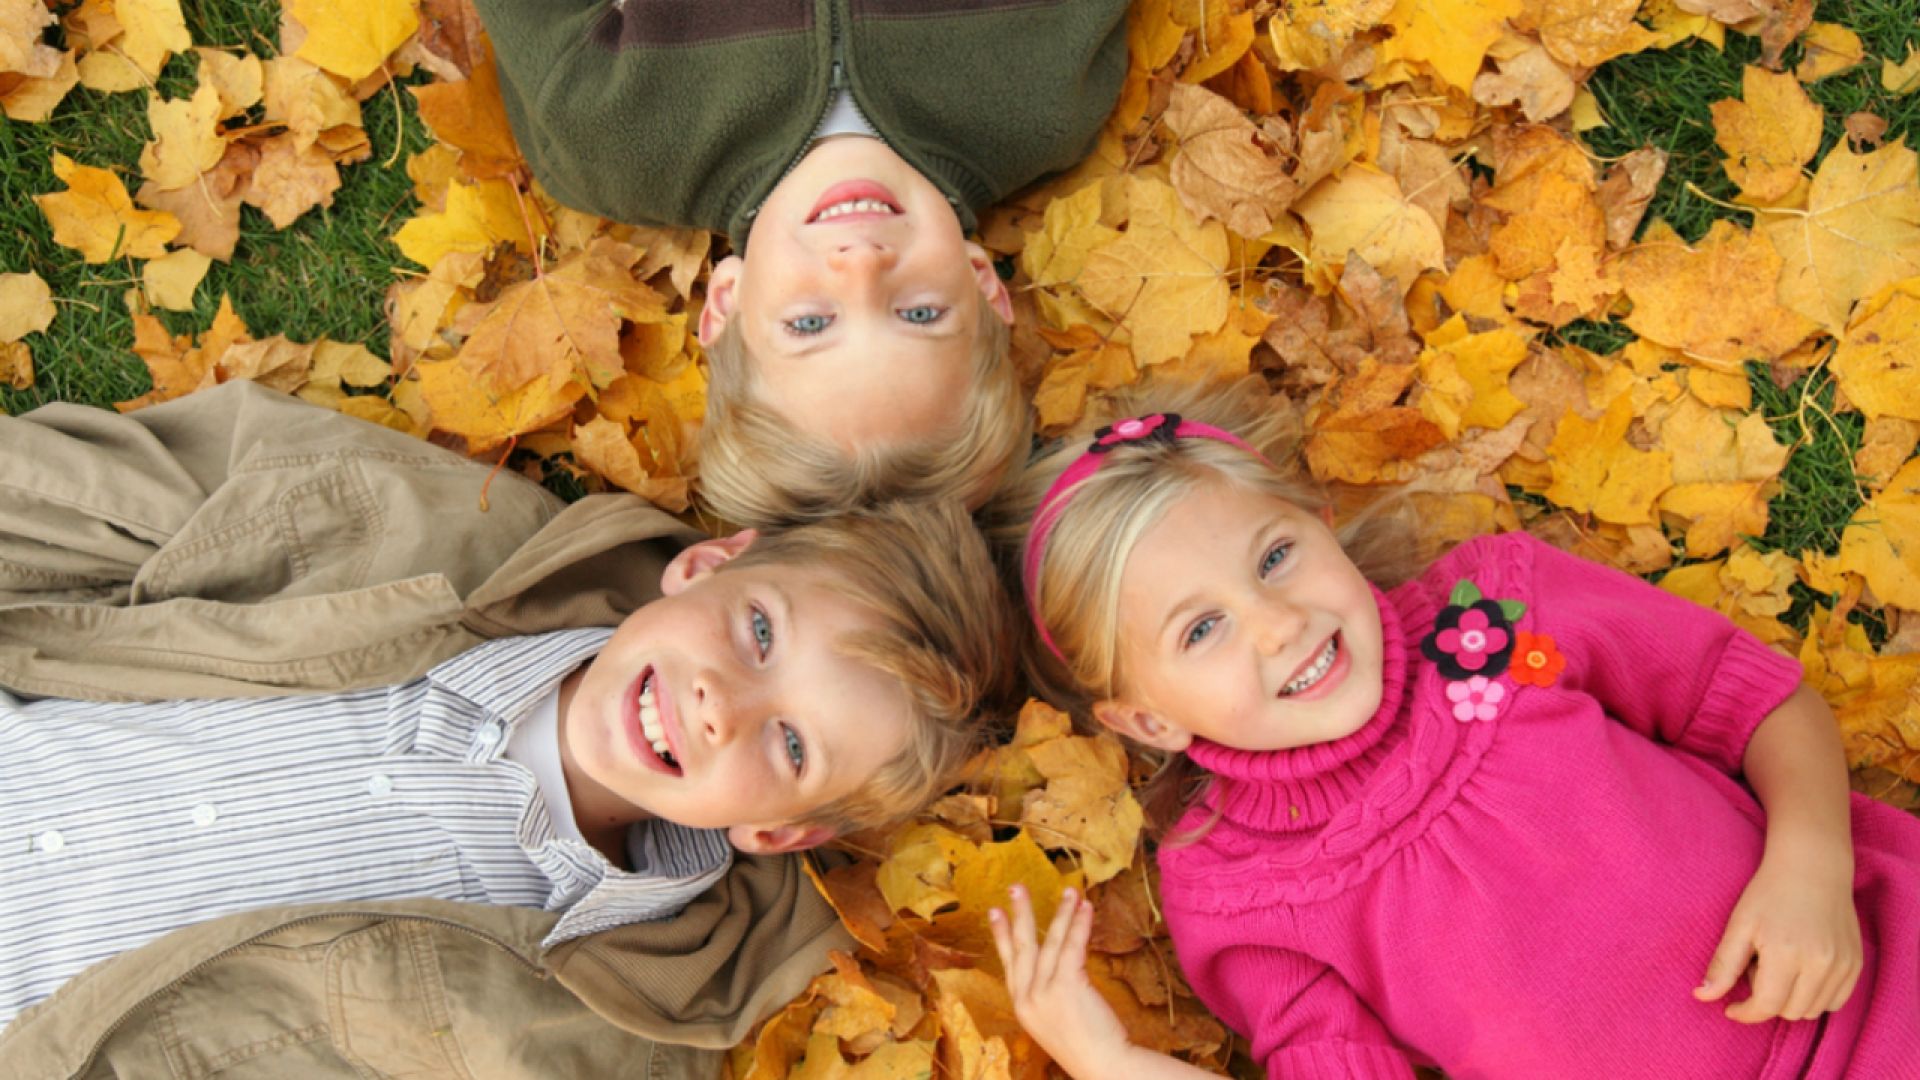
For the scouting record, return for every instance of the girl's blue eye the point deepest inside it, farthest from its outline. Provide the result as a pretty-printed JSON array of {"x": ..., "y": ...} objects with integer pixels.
[
  {"x": 796, "y": 753},
  {"x": 1199, "y": 630},
  {"x": 1274, "y": 557},
  {"x": 922, "y": 314},
  {"x": 762, "y": 631},
  {"x": 808, "y": 324}
]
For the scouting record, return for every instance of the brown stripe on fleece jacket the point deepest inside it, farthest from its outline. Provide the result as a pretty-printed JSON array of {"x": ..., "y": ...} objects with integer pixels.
[{"x": 684, "y": 113}]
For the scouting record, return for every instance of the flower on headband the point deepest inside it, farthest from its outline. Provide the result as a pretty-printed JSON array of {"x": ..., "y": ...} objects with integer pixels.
[{"x": 1158, "y": 426}]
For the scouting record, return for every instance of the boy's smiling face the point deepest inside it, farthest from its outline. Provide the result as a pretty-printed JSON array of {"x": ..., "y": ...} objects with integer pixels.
[
  {"x": 858, "y": 297},
  {"x": 762, "y": 721}
]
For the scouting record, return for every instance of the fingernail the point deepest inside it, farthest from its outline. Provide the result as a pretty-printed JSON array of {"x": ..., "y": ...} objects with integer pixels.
[{"x": 1068, "y": 896}]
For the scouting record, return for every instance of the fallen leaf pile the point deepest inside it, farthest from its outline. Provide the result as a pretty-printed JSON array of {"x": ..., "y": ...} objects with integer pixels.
[{"x": 1383, "y": 206}]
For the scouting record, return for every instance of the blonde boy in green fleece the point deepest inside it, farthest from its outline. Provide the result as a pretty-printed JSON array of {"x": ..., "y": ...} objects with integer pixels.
[{"x": 857, "y": 340}]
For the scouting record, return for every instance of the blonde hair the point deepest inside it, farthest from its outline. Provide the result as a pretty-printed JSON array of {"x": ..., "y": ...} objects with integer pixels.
[
  {"x": 757, "y": 468},
  {"x": 946, "y": 632},
  {"x": 1077, "y": 585}
]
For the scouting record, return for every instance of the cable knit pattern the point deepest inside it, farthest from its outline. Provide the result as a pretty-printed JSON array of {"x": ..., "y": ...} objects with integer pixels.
[{"x": 1530, "y": 895}]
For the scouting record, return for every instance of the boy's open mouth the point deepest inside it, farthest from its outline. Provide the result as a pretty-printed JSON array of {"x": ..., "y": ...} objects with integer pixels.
[
  {"x": 653, "y": 727},
  {"x": 854, "y": 200}
]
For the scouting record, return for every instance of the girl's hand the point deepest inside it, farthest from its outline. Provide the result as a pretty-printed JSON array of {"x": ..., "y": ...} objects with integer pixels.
[
  {"x": 1797, "y": 916},
  {"x": 1051, "y": 993}
]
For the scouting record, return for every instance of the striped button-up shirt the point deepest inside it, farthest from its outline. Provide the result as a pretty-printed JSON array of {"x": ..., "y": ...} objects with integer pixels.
[{"x": 120, "y": 822}]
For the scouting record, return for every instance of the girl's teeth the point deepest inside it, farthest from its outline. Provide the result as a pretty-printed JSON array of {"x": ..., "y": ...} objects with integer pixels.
[{"x": 1315, "y": 673}]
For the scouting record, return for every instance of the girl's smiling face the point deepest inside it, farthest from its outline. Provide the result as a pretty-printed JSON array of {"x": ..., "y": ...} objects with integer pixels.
[{"x": 1242, "y": 622}]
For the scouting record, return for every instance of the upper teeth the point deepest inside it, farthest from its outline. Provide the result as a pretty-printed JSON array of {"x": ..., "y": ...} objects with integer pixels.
[
  {"x": 854, "y": 206},
  {"x": 650, "y": 724},
  {"x": 1313, "y": 674}
]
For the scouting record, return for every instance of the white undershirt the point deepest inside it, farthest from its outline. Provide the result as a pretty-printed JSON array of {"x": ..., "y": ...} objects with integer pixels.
[
  {"x": 535, "y": 746},
  {"x": 843, "y": 118}
]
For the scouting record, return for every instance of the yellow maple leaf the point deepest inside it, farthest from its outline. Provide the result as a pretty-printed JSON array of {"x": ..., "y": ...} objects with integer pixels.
[
  {"x": 1710, "y": 301},
  {"x": 154, "y": 30},
  {"x": 1829, "y": 49},
  {"x": 461, "y": 403},
  {"x": 1221, "y": 34},
  {"x": 291, "y": 179},
  {"x": 1902, "y": 78},
  {"x": 1070, "y": 231},
  {"x": 1769, "y": 135},
  {"x": 1724, "y": 473},
  {"x": 1596, "y": 471},
  {"x": 21, "y": 47},
  {"x": 95, "y": 216},
  {"x": 477, "y": 218},
  {"x": 16, "y": 365},
  {"x": 470, "y": 116},
  {"x": 304, "y": 98},
  {"x": 565, "y": 324},
  {"x": 239, "y": 80},
  {"x": 170, "y": 281},
  {"x": 917, "y": 874},
  {"x": 1474, "y": 368},
  {"x": 1450, "y": 35},
  {"x": 1586, "y": 33},
  {"x": 1878, "y": 361},
  {"x": 1859, "y": 233},
  {"x": 33, "y": 100},
  {"x": 1882, "y": 542},
  {"x": 26, "y": 306},
  {"x": 1163, "y": 278},
  {"x": 353, "y": 40},
  {"x": 606, "y": 448},
  {"x": 1086, "y": 805},
  {"x": 1363, "y": 211},
  {"x": 1225, "y": 168},
  {"x": 186, "y": 140},
  {"x": 1311, "y": 34},
  {"x": 1360, "y": 436}
]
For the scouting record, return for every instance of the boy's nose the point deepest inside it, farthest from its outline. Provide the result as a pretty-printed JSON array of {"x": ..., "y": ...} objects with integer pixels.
[
  {"x": 716, "y": 710},
  {"x": 861, "y": 257}
]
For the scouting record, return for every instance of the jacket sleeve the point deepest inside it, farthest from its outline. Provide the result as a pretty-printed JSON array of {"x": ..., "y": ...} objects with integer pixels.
[
  {"x": 1303, "y": 1019},
  {"x": 1658, "y": 663}
]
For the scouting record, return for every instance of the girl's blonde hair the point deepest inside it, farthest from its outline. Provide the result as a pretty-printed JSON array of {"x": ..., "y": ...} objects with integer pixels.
[
  {"x": 945, "y": 631},
  {"x": 758, "y": 469},
  {"x": 1077, "y": 584}
]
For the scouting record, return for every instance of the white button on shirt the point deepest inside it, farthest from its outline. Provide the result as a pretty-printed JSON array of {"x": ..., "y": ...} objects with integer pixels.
[{"x": 205, "y": 814}]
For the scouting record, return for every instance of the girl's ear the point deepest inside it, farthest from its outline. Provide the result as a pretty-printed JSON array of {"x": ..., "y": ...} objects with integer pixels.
[
  {"x": 991, "y": 287},
  {"x": 1141, "y": 725},
  {"x": 723, "y": 295},
  {"x": 696, "y": 561}
]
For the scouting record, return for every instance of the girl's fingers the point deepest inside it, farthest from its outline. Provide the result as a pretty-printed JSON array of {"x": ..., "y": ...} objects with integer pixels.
[
  {"x": 1057, "y": 932},
  {"x": 1772, "y": 988},
  {"x": 1073, "y": 958},
  {"x": 1729, "y": 961},
  {"x": 1021, "y": 934},
  {"x": 997, "y": 924}
]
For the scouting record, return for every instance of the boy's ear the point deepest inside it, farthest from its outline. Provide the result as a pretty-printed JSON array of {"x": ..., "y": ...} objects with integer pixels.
[
  {"x": 1326, "y": 515},
  {"x": 777, "y": 839},
  {"x": 991, "y": 287},
  {"x": 696, "y": 561},
  {"x": 723, "y": 295},
  {"x": 1141, "y": 725}
]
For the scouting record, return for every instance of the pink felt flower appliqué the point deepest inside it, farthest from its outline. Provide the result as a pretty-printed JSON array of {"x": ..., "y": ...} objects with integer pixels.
[
  {"x": 1475, "y": 698},
  {"x": 1475, "y": 640}
]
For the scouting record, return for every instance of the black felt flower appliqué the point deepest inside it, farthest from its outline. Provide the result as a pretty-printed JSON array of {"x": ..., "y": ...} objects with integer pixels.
[{"x": 1472, "y": 635}]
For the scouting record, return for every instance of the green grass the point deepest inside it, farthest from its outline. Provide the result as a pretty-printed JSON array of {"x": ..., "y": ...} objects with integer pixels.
[{"x": 324, "y": 276}]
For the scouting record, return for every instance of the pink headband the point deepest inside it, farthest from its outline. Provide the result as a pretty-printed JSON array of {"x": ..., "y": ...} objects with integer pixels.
[{"x": 1161, "y": 427}]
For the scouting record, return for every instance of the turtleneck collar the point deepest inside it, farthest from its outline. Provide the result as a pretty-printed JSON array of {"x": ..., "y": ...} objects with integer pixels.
[{"x": 1301, "y": 788}]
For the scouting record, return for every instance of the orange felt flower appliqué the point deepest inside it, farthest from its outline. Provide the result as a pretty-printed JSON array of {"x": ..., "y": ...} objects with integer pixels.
[{"x": 1535, "y": 660}]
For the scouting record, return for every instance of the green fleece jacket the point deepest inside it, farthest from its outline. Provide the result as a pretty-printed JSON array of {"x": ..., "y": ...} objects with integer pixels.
[{"x": 688, "y": 112}]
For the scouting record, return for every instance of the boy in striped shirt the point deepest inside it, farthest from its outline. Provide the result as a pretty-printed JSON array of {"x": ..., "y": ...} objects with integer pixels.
[{"x": 783, "y": 689}]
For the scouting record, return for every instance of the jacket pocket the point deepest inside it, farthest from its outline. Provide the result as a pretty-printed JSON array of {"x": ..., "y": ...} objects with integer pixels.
[
  {"x": 311, "y": 535},
  {"x": 387, "y": 1005},
  {"x": 256, "y": 1015}
]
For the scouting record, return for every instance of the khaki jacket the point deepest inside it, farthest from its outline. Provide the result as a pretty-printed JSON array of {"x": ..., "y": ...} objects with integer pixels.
[
  {"x": 239, "y": 542},
  {"x": 431, "y": 990}
]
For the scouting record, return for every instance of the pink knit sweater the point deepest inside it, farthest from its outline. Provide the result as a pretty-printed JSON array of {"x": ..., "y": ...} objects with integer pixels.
[{"x": 1533, "y": 895}]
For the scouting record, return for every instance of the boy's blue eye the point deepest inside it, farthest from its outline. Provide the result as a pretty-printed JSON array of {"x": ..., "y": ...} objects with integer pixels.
[
  {"x": 922, "y": 314},
  {"x": 796, "y": 753},
  {"x": 762, "y": 631},
  {"x": 808, "y": 324},
  {"x": 1274, "y": 557},
  {"x": 1199, "y": 630}
]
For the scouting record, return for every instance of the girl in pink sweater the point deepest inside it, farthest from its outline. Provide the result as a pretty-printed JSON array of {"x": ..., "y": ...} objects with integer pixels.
[{"x": 1519, "y": 816}]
